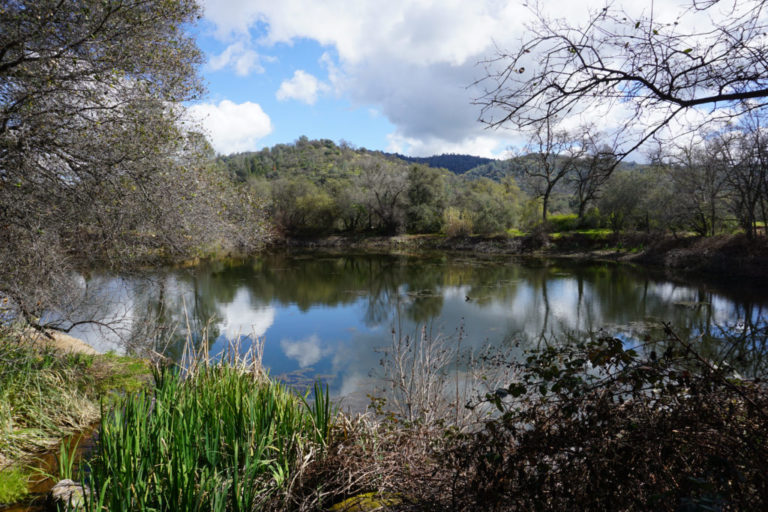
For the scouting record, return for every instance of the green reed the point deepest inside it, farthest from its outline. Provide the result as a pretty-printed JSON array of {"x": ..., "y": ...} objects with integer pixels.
[
  {"x": 66, "y": 460},
  {"x": 219, "y": 438}
]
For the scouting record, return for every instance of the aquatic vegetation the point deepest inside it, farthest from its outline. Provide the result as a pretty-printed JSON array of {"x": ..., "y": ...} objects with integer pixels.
[{"x": 13, "y": 484}]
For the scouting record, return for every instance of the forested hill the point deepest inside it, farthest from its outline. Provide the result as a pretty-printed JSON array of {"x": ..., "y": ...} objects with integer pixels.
[
  {"x": 496, "y": 170},
  {"x": 323, "y": 159},
  {"x": 316, "y": 159},
  {"x": 318, "y": 186},
  {"x": 458, "y": 164},
  {"x": 319, "y": 158}
]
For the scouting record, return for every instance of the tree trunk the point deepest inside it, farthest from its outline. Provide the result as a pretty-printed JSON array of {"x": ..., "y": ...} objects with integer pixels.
[{"x": 544, "y": 202}]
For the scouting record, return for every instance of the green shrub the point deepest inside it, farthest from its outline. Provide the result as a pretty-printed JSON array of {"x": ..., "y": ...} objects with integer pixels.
[
  {"x": 13, "y": 484},
  {"x": 592, "y": 219},
  {"x": 457, "y": 222},
  {"x": 563, "y": 222}
]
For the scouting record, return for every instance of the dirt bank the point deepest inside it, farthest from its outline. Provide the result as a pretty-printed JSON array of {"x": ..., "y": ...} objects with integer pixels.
[{"x": 61, "y": 342}]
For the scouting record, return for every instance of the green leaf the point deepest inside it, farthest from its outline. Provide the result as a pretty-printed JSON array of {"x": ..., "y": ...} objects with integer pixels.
[{"x": 516, "y": 389}]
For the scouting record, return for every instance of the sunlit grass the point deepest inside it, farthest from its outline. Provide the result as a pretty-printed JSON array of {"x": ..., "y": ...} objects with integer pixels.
[
  {"x": 213, "y": 437},
  {"x": 563, "y": 221},
  {"x": 43, "y": 396},
  {"x": 112, "y": 372},
  {"x": 593, "y": 233}
]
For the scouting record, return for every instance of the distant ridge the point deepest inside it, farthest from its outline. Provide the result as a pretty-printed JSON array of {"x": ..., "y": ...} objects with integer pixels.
[{"x": 458, "y": 164}]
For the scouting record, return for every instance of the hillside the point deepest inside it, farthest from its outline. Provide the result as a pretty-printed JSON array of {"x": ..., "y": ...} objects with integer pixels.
[
  {"x": 318, "y": 160},
  {"x": 458, "y": 164},
  {"x": 323, "y": 158}
]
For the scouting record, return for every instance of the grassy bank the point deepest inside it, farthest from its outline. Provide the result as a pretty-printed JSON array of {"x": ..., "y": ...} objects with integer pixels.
[
  {"x": 205, "y": 436},
  {"x": 47, "y": 394}
]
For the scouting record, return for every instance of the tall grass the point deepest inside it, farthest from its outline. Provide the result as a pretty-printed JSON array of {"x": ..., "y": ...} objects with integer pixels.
[
  {"x": 65, "y": 461},
  {"x": 214, "y": 435},
  {"x": 42, "y": 396}
]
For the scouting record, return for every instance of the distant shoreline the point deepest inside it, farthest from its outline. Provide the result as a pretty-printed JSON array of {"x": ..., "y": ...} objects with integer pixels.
[{"x": 722, "y": 255}]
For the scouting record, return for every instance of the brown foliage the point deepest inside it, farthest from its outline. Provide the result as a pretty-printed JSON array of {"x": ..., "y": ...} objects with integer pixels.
[{"x": 669, "y": 433}]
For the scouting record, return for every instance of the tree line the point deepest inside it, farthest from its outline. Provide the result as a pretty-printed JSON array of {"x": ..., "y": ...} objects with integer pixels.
[
  {"x": 716, "y": 183},
  {"x": 318, "y": 187}
]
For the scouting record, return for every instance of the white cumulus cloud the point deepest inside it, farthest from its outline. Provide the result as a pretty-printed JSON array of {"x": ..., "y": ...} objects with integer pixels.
[
  {"x": 413, "y": 61},
  {"x": 232, "y": 127},
  {"x": 301, "y": 87},
  {"x": 306, "y": 352},
  {"x": 244, "y": 316},
  {"x": 485, "y": 146},
  {"x": 238, "y": 56}
]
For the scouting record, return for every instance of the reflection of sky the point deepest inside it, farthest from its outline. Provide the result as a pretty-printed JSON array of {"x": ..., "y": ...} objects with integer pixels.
[
  {"x": 341, "y": 340},
  {"x": 244, "y": 316}
]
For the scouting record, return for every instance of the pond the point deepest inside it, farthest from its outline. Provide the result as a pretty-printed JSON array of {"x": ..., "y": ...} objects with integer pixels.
[{"x": 329, "y": 316}]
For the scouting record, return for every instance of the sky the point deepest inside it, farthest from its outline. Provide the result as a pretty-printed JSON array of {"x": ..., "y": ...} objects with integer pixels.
[{"x": 394, "y": 75}]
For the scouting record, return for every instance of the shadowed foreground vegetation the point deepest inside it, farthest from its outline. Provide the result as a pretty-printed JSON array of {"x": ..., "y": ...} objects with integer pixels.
[
  {"x": 582, "y": 425},
  {"x": 592, "y": 425}
]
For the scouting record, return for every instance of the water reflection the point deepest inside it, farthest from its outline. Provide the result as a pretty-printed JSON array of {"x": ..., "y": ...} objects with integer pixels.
[{"x": 327, "y": 314}]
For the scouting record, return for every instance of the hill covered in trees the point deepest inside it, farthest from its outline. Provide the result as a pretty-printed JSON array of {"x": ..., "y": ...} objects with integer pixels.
[
  {"x": 458, "y": 164},
  {"x": 319, "y": 160},
  {"x": 317, "y": 186}
]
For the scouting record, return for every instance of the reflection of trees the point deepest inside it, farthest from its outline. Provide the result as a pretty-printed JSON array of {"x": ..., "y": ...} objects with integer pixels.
[
  {"x": 545, "y": 301},
  {"x": 742, "y": 343},
  {"x": 634, "y": 304}
]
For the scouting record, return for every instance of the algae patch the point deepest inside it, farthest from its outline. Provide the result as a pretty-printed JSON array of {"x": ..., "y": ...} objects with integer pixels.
[{"x": 367, "y": 502}]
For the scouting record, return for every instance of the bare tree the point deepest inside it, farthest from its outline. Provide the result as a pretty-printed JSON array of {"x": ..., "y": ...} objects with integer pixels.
[
  {"x": 699, "y": 181},
  {"x": 592, "y": 170},
  {"x": 552, "y": 154},
  {"x": 656, "y": 68},
  {"x": 386, "y": 187},
  {"x": 743, "y": 150}
]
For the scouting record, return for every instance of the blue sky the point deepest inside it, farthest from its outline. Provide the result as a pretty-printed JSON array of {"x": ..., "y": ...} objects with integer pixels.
[
  {"x": 307, "y": 109},
  {"x": 393, "y": 76}
]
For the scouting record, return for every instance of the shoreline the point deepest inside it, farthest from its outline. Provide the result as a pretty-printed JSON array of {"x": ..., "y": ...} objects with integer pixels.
[{"x": 721, "y": 256}]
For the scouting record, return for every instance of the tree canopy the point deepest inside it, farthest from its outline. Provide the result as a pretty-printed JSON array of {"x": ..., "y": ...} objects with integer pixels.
[{"x": 91, "y": 148}]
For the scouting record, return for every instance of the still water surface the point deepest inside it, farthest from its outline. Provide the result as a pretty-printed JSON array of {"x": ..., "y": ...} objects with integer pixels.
[{"x": 329, "y": 316}]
